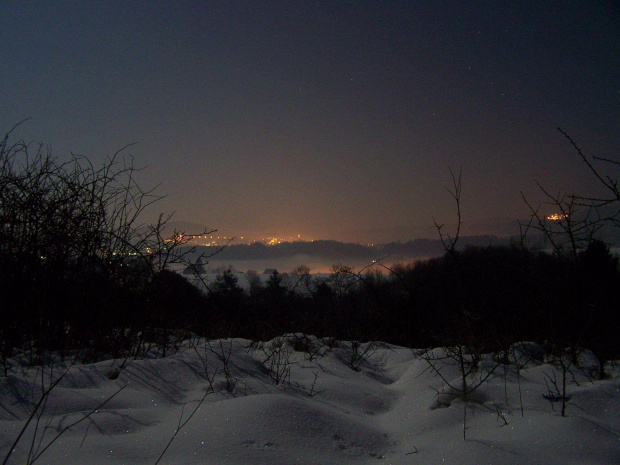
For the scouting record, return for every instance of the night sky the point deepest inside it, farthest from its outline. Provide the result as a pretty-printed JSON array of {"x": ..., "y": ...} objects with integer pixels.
[{"x": 331, "y": 120}]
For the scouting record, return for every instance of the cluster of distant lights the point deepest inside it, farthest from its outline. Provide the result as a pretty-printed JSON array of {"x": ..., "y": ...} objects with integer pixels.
[
  {"x": 210, "y": 240},
  {"x": 557, "y": 217},
  {"x": 214, "y": 241}
]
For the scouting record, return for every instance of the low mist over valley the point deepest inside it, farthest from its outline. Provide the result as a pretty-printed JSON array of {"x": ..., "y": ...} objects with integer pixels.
[{"x": 321, "y": 255}]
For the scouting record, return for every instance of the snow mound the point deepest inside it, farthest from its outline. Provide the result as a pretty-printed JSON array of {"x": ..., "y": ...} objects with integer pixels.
[{"x": 299, "y": 399}]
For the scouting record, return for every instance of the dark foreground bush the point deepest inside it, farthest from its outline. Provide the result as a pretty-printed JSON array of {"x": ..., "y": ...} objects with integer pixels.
[{"x": 77, "y": 265}]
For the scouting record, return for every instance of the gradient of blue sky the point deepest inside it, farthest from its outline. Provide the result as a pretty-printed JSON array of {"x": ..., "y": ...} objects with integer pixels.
[{"x": 327, "y": 119}]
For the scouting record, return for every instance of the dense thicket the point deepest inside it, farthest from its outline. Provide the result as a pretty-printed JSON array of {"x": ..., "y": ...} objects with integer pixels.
[{"x": 78, "y": 269}]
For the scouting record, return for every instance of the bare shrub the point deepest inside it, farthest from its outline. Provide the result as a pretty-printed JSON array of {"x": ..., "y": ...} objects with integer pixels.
[
  {"x": 276, "y": 359},
  {"x": 309, "y": 345},
  {"x": 361, "y": 353},
  {"x": 473, "y": 373},
  {"x": 222, "y": 350}
]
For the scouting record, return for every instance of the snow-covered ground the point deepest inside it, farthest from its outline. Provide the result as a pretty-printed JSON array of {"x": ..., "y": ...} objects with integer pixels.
[{"x": 333, "y": 404}]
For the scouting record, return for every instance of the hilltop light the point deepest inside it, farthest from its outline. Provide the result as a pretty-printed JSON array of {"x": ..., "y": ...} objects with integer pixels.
[{"x": 557, "y": 217}]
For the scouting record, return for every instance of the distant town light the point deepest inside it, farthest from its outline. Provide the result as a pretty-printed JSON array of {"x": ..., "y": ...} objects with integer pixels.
[
  {"x": 210, "y": 240},
  {"x": 557, "y": 217}
]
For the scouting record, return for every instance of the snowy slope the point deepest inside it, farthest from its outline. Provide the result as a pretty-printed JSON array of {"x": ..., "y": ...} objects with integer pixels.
[{"x": 393, "y": 409}]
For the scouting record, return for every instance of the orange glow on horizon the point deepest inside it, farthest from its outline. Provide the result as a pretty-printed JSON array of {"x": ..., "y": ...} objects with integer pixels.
[{"x": 557, "y": 217}]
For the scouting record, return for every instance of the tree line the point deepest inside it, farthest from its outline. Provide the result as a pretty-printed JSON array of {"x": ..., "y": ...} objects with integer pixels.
[{"x": 489, "y": 297}]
